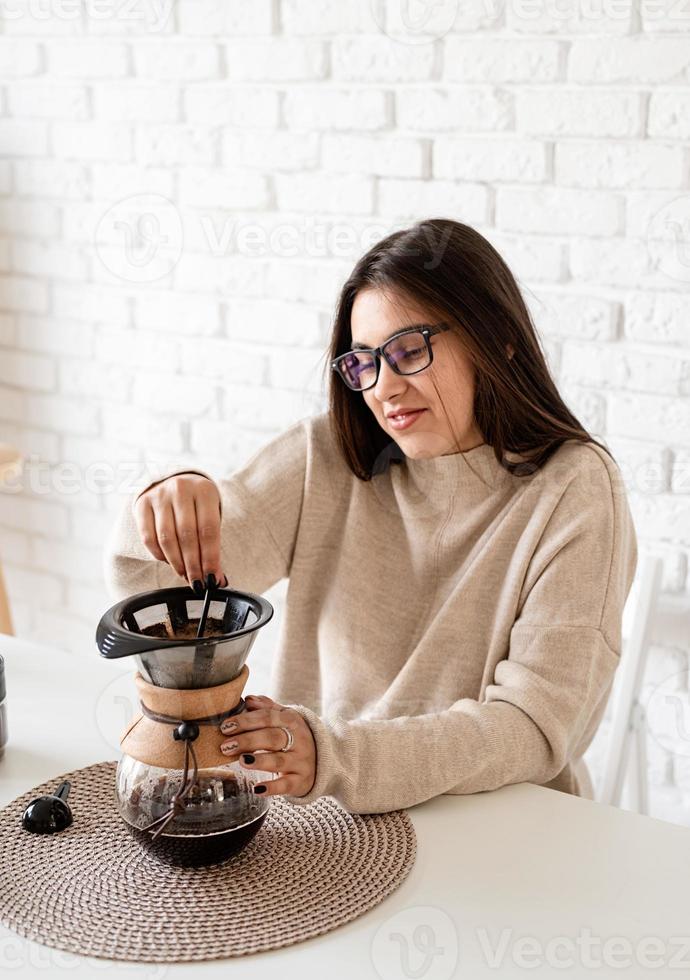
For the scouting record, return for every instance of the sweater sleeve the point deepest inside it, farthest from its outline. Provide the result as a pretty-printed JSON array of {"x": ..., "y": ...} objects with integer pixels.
[
  {"x": 564, "y": 648},
  {"x": 261, "y": 505}
]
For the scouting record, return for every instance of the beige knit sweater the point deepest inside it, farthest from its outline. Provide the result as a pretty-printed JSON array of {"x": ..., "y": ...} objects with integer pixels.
[{"x": 449, "y": 628}]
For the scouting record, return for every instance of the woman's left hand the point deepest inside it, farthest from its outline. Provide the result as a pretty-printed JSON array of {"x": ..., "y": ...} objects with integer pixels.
[{"x": 257, "y": 729}]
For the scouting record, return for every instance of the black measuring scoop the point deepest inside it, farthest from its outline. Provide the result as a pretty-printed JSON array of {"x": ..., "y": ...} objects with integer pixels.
[{"x": 49, "y": 814}]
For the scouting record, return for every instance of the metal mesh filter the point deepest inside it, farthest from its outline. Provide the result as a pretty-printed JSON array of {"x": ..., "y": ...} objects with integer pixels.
[{"x": 159, "y": 629}]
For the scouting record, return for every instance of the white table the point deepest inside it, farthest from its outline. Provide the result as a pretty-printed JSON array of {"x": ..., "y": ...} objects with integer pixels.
[{"x": 491, "y": 869}]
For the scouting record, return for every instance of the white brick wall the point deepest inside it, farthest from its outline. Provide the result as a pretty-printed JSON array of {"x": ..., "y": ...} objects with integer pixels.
[{"x": 182, "y": 194}]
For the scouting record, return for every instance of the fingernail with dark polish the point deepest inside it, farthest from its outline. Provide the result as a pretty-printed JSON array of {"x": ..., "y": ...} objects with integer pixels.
[
  {"x": 259, "y": 789},
  {"x": 198, "y": 587},
  {"x": 248, "y": 759},
  {"x": 211, "y": 581}
]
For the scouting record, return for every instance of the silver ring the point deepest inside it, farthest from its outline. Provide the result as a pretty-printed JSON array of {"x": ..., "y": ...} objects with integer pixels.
[{"x": 290, "y": 738}]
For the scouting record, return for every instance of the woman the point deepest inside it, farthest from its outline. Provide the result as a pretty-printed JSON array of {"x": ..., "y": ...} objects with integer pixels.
[{"x": 456, "y": 577}]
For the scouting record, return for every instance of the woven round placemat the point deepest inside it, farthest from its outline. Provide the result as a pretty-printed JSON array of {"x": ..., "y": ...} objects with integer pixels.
[{"x": 93, "y": 890}]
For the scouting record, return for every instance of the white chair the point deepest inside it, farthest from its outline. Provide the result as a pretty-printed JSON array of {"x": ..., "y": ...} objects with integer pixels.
[
  {"x": 628, "y": 722},
  {"x": 10, "y": 465}
]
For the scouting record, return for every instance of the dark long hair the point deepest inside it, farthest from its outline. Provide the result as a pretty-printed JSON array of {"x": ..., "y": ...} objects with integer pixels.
[{"x": 456, "y": 274}]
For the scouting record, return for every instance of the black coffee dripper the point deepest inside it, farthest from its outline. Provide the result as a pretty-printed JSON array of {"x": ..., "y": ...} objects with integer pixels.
[
  {"x": 146, "y": 625},
  {"x": 49, "y": 814},
  {"x": 185, "y": 642}
]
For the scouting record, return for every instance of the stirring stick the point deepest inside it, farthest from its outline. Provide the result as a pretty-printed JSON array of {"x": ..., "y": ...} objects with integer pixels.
[{"x": 210, "y": 584}]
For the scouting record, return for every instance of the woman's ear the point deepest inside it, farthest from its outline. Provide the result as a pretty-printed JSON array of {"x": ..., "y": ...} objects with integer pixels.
[{"x": 511, "y": 351}]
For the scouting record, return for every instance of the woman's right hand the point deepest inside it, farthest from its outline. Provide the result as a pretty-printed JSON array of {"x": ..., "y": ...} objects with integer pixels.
[{"x": 179, "y": 522}]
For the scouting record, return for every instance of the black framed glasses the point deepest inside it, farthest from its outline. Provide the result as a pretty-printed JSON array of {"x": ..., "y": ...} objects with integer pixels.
[{"x": 407, "y": 352}]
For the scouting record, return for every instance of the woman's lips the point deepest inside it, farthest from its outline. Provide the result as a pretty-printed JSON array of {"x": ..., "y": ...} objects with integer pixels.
[{"x": 406, "y": 421}]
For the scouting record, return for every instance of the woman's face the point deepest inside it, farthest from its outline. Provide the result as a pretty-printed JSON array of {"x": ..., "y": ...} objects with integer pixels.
[{"x": 445, "y": 389}]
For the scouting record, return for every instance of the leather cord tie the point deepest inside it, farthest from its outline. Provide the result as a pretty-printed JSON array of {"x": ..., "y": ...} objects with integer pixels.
[{"x": 187, "y": 731}]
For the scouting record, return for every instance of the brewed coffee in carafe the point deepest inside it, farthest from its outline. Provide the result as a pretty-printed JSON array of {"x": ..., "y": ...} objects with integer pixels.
[{"x": 180, "y": 797}]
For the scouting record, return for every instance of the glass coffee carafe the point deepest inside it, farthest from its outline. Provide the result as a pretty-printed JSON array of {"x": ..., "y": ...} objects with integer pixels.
[{"x": 180, "y": 797}]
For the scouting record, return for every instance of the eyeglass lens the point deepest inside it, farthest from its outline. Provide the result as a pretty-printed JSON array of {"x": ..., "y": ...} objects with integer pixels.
[{"x": 409, "y": 353}]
